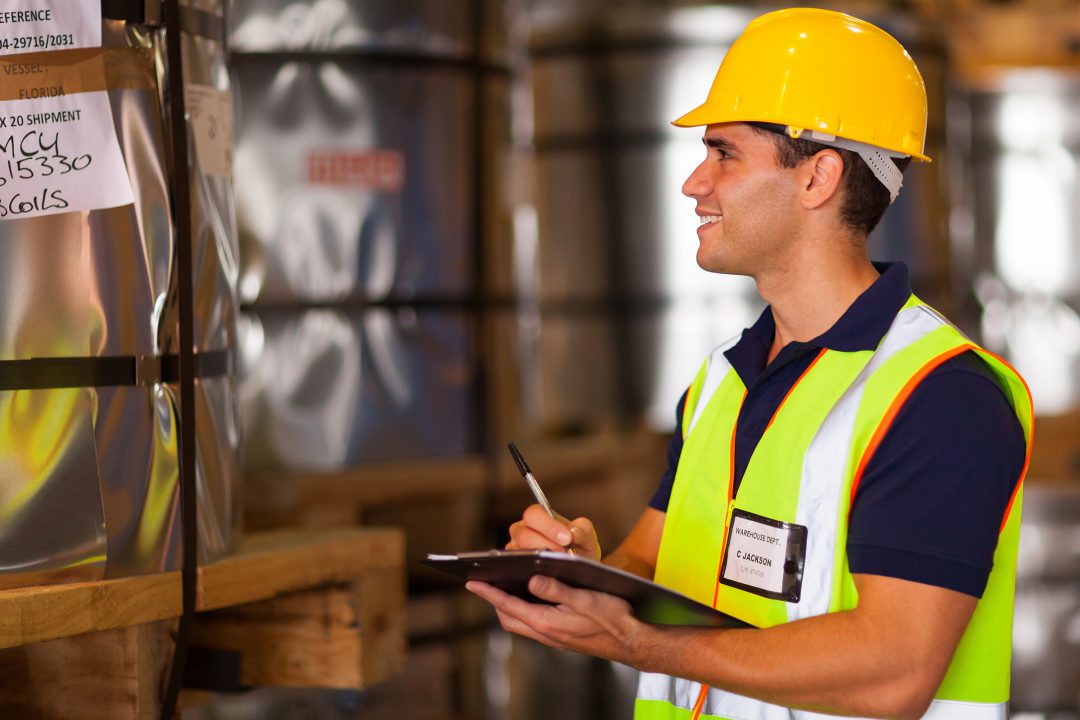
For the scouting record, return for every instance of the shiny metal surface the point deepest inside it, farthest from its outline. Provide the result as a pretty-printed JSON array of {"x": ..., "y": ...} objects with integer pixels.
[
  {"x": 1019, "y": 229},
  {"x": 1046, "y": 629},
  {"x": 91, "y": 284},
  {"x": 215, "y": 259},
  {"x": 357, "y": 168},
  {"x": 220, "y": 469},
  {"x": 139, "y": 478},
  {"x": 52, "y": 526},
  {"x": 325, "y": 389},
  {"x": 353, "y": 180},
  {"x": 433, "y": 27}
]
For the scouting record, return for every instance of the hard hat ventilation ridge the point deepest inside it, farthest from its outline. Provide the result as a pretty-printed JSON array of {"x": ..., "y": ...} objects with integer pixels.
[{"x": 884, "y": 170}]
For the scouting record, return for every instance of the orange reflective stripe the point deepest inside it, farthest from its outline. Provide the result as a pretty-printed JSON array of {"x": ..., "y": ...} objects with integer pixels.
[
  {"x": 890, "y": 414},
  {"x": 792, "y": 389},
  {"x": 696, "y": 712},
  {"x": 1030, "y": 439},
  {"x": 1016, "y": 490}
]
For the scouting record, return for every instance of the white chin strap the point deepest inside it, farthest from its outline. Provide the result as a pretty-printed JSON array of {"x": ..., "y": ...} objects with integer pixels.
[{"x": 883, "y": 168}]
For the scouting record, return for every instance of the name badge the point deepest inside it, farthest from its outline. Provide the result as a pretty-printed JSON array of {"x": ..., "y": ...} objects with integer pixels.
[{"x": 764, "y": 557}]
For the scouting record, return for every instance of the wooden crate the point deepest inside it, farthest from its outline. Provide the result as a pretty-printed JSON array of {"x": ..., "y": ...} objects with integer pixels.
[{"x": 286, "y": 602}]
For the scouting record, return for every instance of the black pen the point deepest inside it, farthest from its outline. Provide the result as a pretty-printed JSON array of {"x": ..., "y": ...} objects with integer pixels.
[{"x": 534, "y": 486}]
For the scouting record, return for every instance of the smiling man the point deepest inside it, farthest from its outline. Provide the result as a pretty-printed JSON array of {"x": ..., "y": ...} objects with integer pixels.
[{"x": 846, "y": 474}]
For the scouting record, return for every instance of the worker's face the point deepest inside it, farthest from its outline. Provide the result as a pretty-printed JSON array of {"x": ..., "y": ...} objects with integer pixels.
[{"x": 746, "y": 202}]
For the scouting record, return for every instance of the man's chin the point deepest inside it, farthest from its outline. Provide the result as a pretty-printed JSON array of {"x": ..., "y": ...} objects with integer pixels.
[
  {"x": 713, "y": 264},
  {"x": 720, "y": 266}
]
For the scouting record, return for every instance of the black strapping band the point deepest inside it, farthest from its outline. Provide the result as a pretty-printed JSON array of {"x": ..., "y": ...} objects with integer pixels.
[
  {"x": 107, "y": 371},
  {"x": 148, "y": 12},
  {"x": 140, "y": 12}
]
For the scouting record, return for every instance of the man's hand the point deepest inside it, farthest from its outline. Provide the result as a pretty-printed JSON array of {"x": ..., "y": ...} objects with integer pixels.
[
  {"x": 885, "y": 658},
  {"x": 539, "y": 531},
  {"x": 581, "y": 620}
]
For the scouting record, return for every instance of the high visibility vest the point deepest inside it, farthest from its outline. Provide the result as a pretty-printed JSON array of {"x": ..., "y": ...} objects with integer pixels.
[{"x": 806, "y": 470}]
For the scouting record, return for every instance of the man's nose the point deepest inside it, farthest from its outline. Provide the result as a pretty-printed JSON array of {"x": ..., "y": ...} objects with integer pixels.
[{"x": 697, "y": 185}]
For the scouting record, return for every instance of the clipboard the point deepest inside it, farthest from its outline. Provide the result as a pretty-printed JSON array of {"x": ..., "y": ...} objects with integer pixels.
[{"x": 510, "y": 571}]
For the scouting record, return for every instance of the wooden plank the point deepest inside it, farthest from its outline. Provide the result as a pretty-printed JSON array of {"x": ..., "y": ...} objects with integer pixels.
[
  {"x": 272, "y": 563},
  {"x": 265, "y": 564},
  {"x": 366, "y": 485},
  {"x": 381, "y": 605},
  {"x": 96, "y": 676},
  {"x": 345, "y": 636},
  {"x": 1037, "y": 37},
  {"x": 35, "y": 614}
]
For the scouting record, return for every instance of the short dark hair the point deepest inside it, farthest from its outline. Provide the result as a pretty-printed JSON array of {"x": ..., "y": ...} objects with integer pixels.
[{"x": 865, "y": 198}]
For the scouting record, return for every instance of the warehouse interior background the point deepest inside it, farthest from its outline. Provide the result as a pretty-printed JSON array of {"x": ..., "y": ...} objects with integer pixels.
[{"x": 422, "y": 229}]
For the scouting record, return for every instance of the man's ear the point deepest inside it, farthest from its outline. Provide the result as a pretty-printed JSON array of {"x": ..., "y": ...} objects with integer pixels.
[{"x": 822, "y": 176}]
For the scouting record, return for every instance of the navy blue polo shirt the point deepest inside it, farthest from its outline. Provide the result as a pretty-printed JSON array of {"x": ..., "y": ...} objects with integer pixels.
[{"x": 932, "y": 497}]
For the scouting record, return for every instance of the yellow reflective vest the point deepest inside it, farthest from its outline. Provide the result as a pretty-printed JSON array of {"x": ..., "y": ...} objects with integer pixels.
[{"x": 806, "y": 470}]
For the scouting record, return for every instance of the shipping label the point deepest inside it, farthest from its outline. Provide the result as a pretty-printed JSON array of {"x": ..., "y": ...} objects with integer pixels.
[
  {"x": 58, "y": 147},
  {"x": 37, "y": 25},
  {"x": 60, "y": 155},
  {"x": 211, "y": 114}
]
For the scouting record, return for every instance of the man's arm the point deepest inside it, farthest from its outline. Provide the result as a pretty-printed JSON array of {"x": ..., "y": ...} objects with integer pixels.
[
  {"x": 885, "y": 658},
  {"x": 637, "y": 553}
]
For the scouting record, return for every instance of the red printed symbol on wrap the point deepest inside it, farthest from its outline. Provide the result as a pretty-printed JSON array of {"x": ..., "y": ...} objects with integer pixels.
[{"x": 378, "y": 169}]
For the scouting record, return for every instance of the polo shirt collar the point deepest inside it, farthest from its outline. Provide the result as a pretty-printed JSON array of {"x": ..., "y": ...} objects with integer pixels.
[{"x": 861, "y": 327}]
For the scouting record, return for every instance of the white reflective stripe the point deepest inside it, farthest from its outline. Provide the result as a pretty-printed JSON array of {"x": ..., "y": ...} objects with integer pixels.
[
  {"x": 739, "y": 707},
  {"x": 956, "y": 710},
  {"x": 715, "y": 372},
  {"x": 684, "y": 694},
  {"x": 939, "y": 710},
  {"x": 807, "y": 715},
  {"x": 825, "y": 464},
  {"x": 944, "y": 320},
  {"x": 676, "y": 691}
]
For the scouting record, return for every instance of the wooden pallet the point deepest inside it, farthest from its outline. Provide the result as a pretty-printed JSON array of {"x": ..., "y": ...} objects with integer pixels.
[{"x": 308, "y": 608}]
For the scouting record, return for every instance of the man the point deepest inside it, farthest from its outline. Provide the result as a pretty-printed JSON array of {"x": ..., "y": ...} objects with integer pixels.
[{"x": 846, "y": 474}]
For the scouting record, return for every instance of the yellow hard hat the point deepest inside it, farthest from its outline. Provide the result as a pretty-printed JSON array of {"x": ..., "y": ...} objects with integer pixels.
[{"x": 822, "y": 73}]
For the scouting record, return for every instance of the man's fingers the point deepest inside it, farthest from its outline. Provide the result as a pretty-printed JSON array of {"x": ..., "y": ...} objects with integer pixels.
[
  {"x": 538, "y": 519},
  {"x": 511, "y": 624},
  {"x": 499, "y": 599},
  {"x": 554, "y": 591},
  {"x": 523, "y": 537},
  {"x": 585, "y": 537}
]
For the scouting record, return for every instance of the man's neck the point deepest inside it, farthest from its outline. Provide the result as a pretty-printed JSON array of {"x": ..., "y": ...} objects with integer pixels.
[{"x": 809, "y": 298}]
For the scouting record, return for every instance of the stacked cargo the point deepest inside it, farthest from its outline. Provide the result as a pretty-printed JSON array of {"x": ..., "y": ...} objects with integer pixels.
[
  {"x": 357, "y": 203},
  {"x": 88, "y": 449},
  {"x": 367, "y": 138}
]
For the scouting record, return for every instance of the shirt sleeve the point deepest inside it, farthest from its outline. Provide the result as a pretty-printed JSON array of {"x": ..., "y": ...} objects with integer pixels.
[
  {"x": 932, "y": 499},
  {"x": 667, "y": 479}
]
